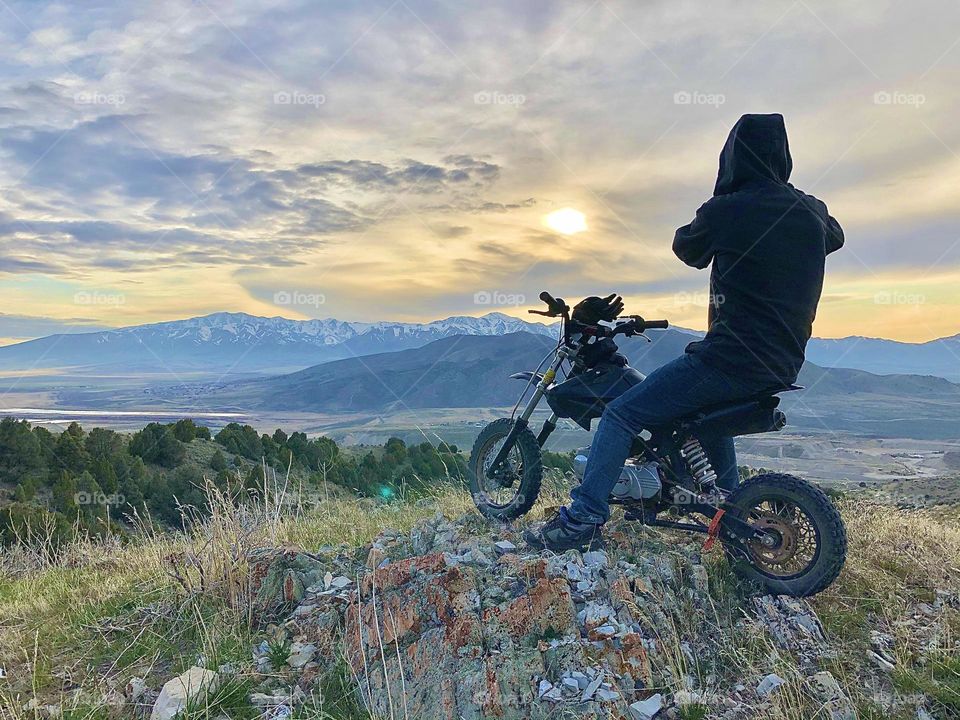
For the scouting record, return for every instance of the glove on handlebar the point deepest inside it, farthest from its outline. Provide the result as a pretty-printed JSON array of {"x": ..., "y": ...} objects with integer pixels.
[{"x": 593, "y": 309}]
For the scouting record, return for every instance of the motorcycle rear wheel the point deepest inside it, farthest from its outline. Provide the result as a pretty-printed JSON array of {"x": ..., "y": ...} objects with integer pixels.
[
  {"x": 810, "y": 545},
  {"x": 512, "y": 495}
]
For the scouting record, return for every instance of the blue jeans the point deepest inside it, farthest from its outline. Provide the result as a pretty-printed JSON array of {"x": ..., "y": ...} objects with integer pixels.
[{"x": 678, "y": 388}]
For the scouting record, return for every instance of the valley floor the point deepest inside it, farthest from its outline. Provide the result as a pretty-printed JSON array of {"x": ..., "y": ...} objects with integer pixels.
[{"x": 910, "y": 469}]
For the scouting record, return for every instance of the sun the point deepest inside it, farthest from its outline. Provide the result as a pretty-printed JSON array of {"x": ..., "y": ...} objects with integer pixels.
[{"x": 566, "y": 221}]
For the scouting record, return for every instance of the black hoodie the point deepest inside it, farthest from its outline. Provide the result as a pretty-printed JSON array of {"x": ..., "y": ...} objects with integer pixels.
[{"x": 767, "y": 242}]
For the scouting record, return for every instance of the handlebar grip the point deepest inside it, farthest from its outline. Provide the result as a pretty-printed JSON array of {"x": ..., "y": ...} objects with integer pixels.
[
  {"x": 662, "y": 324},
  {"x": 547, "y": 298}
]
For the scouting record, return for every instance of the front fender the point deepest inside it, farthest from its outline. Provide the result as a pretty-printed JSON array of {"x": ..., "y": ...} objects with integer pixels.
[{"x": 526, "y": 375}]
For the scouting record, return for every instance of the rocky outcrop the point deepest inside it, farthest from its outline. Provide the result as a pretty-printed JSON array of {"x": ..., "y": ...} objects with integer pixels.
[{"x": 454, "y": 621}]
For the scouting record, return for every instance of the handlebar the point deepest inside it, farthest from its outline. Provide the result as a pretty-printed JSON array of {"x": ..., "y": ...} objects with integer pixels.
[
  {"x": 556, "y": 307},
  {"x": 636, "y": 325}
]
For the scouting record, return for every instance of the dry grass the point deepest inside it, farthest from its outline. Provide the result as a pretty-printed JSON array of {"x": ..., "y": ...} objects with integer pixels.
[
  {"x": 899, "y": 563},
  {"x": 64, "y": 611}
]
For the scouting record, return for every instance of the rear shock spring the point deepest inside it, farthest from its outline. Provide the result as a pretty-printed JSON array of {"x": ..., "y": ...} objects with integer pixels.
[{"x": 698, "y": 463}]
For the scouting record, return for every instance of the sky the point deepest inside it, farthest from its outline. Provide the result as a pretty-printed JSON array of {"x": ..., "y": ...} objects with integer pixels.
[{"x": 401, "y": 160}]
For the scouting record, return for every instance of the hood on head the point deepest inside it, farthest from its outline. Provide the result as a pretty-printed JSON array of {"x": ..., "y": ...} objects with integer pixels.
[{"x": 756, "y": 149}]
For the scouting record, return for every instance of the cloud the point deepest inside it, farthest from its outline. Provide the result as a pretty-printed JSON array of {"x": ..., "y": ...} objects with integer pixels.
[
  {"x": 27, "y": 326},
  {"x": 27, "y": 265},
  {"x": 420, "y": 143},
  {"x": 451, "y": 231}
]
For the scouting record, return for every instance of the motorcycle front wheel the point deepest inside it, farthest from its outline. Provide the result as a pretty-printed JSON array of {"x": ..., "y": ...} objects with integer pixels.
[
  {"x": 804, "y": 545},
  {"x": 512, "y": 490}
]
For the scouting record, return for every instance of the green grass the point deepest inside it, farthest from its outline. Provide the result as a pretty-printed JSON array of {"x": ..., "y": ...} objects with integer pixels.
[
  {"x": 335, "y": 698},
  {"x": 88, "y": 712},
  {"x": 277, "y": 652},
  {"x": 939, "y": 680},
  {"x": 694, "y": 711},
  {"x": 106, "y": 612},
  {"x": 230, "y": 699}
]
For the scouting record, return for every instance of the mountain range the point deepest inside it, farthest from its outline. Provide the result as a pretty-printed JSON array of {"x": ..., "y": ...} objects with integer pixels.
[
  {"x": 237, "y": 343},
  {"x": 226, "y": 343},
  {"x": 473, "y": 371},
  {"x": 939, "y": 357}
]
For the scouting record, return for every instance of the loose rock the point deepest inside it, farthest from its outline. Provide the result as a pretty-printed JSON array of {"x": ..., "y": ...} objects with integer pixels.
[
  {"x": 178, "y": 692},
  {"x": 770, "y": 684},
  {"x": 646, "y": 709}
]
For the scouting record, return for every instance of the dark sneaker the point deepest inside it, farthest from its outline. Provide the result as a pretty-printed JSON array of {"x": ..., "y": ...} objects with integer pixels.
[{"x": 561, "y": 533}]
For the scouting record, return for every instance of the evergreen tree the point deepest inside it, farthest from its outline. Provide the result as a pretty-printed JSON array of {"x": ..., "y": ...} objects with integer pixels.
[
  {"x": 105, "y": 475},
  {"x": 218, "y": 462},
  {"x": 20, "y": 452},
  {"x": 187, "y": 430},
  {"x": 102, "y": 444},
  {"x": 240, "y": 440},
  {"x": 64, "y": 494},
  {"x": 395, "y": 450},
  {"x": 157, "y": 444},
  {"x": 70, "y": 453}
]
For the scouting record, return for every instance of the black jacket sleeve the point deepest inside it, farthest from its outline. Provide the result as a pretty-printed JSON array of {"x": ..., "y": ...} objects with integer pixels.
[
  {"x": 693, "y": 243},
  {"x": 834, "y": 240}
]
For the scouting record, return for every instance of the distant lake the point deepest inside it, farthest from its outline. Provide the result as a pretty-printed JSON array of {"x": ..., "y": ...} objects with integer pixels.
[{"x": 64, "y": 416}]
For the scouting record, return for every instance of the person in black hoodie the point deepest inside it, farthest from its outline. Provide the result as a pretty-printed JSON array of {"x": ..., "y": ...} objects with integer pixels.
[{"x": 766, "y": 241}]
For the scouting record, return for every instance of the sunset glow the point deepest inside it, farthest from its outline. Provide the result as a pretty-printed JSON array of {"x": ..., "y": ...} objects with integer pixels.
[
  {"x": 163, "y": 161},
  {"x": 566, "y": 221}
]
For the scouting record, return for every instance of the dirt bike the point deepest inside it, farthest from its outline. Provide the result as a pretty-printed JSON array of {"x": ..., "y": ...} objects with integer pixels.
[{"x": 775, "y": 528}]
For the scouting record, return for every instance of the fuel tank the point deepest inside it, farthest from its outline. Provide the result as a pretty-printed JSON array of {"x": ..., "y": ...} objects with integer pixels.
[{"x": 583, "y": 397}]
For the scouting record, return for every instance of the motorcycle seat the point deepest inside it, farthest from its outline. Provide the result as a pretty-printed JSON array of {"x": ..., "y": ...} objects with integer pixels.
[{"x": 767, "y": 398}]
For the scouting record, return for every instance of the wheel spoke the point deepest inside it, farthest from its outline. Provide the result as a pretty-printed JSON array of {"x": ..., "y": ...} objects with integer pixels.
[
  {"x": 512, "y": 470},
  {"x": 795, "y": 543}
]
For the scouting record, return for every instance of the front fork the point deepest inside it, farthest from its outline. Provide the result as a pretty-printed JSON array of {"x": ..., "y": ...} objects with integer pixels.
[{"x": 523, "y": 422}]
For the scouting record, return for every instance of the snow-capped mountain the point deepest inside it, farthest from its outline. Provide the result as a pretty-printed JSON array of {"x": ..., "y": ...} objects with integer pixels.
[
  {"x": 238, "y": 343},
  {"x": 227, "y": 343}
]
